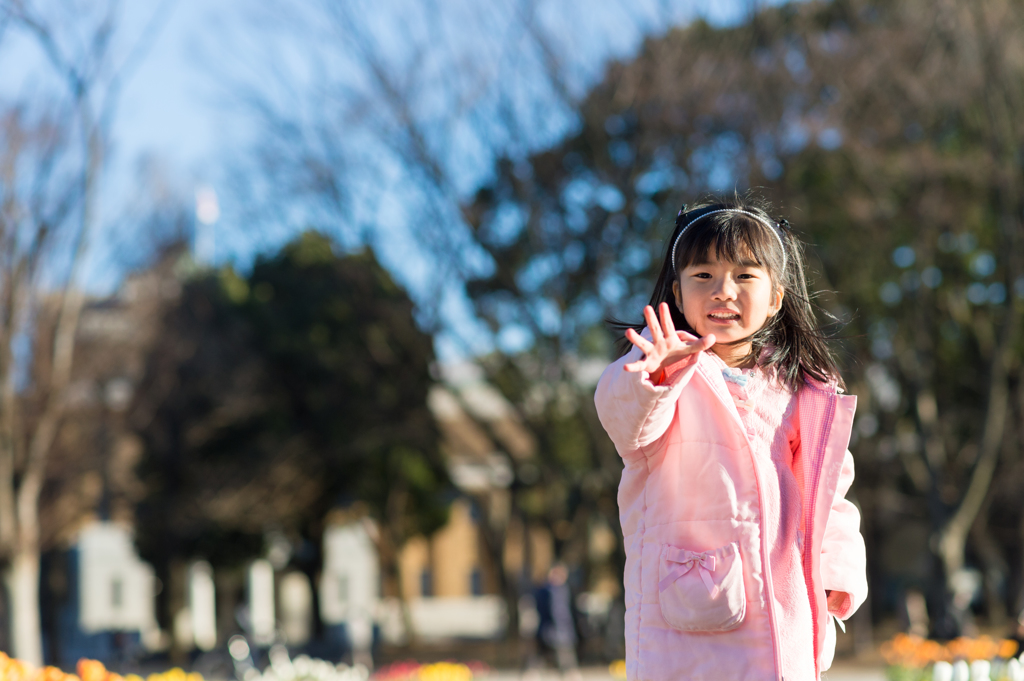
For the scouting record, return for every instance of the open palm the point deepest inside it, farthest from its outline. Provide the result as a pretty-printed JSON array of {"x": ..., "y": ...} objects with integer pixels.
[{"x": 667, "y": 346}]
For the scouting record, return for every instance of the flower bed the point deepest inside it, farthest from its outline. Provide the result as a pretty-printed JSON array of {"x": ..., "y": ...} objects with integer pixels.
[
  {"x": 302, "y": 668},
  {"x": 88, "y": 670},
  {"x": 912, "y": 658},
  {"x": 437, "y": 671}
]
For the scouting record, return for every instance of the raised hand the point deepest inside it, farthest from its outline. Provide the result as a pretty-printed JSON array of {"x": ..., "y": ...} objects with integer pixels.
[{"x": 667, "y": 346}]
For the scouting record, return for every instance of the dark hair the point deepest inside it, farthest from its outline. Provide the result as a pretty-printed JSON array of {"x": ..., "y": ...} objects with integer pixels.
[{"x": 798, "y": 346}]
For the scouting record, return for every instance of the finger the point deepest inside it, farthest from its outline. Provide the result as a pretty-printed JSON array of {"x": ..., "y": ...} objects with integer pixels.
[
  {"x": 639, "y": 341},
  {"x": 700, "y": 344},
  {"x": 634, "y": 367},
  {"x": 639, "y": 365},
  {"x": 666, "y": 321},
  {"x": 652, "y": 322}
]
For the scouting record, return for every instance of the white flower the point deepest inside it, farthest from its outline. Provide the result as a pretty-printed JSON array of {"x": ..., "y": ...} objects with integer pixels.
[
  {"x": 981, "y": 670},
  {"x": 942, "y": 671},
  {"x": 1014, "y": 670}
]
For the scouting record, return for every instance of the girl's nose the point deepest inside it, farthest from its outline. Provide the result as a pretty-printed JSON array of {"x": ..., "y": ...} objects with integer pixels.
[{"x": 726, "y": 290}]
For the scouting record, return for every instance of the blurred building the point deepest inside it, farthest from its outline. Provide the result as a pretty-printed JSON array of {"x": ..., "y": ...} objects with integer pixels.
[
  {"x": 350, "y": 585},
  {"x": 109, "y": 610},
  {"x": 451, "y": 584},
  {"x": 97, "y": 596},
  {"x": 485, "y": 445},
  {"x": 94, "y": 457},
  {"x": 115, "y": 587}
]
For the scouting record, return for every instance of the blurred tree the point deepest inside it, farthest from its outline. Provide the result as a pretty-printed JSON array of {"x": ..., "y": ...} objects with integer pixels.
[
  {"x": 53, "y": 148},
  {"x": 274, "y": 397},
  {"x": 902, "y": 173}
]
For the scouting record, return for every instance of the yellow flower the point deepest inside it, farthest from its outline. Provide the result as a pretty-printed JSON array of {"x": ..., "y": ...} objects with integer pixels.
[
  {"x": 913, "y": 652},
  {"x": 52, "y": 674},
  {"x": 91, "y": 670},
  {"x": 444, "y": 671}
]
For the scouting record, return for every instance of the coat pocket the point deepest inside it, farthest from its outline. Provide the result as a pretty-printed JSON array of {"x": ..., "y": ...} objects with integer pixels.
[{"x": 701, "y": 591}]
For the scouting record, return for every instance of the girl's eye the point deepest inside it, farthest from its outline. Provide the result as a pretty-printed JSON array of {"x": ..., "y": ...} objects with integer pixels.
[{"x": 702, "y": 275}]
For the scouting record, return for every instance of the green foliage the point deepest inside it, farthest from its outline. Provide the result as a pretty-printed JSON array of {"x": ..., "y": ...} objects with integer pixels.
[{"x": 900, "y": 673}]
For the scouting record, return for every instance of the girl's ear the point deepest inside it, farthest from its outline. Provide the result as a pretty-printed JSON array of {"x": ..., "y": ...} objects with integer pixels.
[
  {"x": 678, "y": 294},
  {"x": 777, "y": 301}
]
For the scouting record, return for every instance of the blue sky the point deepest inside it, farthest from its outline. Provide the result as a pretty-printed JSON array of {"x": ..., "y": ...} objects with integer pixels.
[
  {"x": 179, "y": 107},
  {"x": 172, "y": 106}
]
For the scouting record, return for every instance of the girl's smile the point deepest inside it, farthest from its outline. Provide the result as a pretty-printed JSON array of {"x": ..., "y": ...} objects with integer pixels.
[
  {"x": 723, "y": 316},
  {"x": 732, "y": 300}
]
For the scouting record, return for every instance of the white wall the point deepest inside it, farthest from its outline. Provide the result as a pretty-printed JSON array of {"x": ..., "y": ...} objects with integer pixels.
[
  {"x": 116, "y": 589},
  {"x": 350, "y": 581},
  {"x": 295, "y": 600},
  {"x": 261, "y": 601},
  {"x": 202, "y": 605},
  {"x": 445, "y": 618}
]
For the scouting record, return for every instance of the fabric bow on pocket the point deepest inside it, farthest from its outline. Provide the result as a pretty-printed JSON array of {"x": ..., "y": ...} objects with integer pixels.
[
  {"x": 686, "y": 561},
  {"x": 701, "y": 590}
]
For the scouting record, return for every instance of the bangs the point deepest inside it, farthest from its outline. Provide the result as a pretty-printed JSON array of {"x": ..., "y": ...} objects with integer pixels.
[{"x": 731, "y": 237}]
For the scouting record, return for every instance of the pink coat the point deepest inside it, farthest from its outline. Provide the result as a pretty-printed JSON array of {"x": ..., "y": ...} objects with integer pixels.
[{"x": 691, "y": 515}]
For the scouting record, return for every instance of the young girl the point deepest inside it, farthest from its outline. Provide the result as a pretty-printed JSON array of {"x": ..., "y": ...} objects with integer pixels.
[{"x": 740, "y": 544}]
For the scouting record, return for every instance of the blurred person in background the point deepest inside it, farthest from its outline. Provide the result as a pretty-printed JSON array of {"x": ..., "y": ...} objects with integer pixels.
[
  {"x": 556, "y": 626},
  {"x": 1017, "y": 633}
]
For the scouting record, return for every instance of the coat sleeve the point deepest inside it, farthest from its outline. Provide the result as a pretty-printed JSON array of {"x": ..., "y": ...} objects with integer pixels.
[
  {"x": 633, "y": 410},
  {"x": 843, "y": 557}
]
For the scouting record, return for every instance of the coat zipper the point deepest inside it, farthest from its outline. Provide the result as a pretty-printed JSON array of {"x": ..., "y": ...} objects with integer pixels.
[
  {"x": 765, "y": 562},
  {"x": 765, "y": 559},
  {"x": 809, "y": 513}
]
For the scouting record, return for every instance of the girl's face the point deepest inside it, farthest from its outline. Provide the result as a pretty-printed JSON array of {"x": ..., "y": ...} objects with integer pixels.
[{"x": 732, "y": 300}]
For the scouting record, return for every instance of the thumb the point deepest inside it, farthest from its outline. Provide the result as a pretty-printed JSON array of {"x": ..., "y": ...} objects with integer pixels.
[{"x": 707, "y": 341}]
